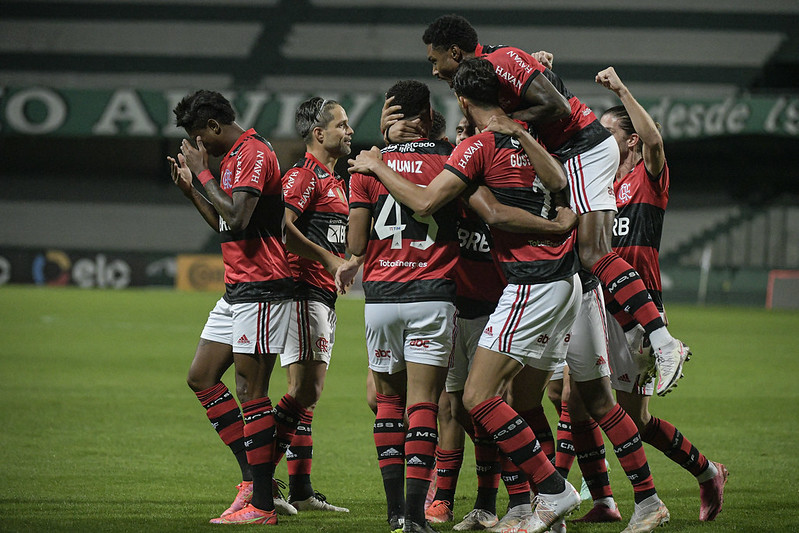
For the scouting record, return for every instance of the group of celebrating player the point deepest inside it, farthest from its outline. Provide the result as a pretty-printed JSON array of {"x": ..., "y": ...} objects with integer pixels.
[{"x": 491, "y": 271}]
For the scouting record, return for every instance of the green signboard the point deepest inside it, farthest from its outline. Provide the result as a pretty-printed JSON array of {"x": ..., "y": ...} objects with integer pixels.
[{"x": 130, "y": 112}]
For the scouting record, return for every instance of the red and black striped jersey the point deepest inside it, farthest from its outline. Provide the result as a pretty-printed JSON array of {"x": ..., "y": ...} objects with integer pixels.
[
  {"x": 408, "y": 258},
  {"x": 319, "y": 198},
  {"x": 499, "y": 162},
  {"x": 256, "y": 268},
  {"x": 516, "y": 70},
  {"x": 641, "y": 200},
  {"x": 478, "y": 278}
]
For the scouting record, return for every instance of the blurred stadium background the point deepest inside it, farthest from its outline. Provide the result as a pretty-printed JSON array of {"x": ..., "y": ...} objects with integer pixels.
[{"x": 87, "y": 88}]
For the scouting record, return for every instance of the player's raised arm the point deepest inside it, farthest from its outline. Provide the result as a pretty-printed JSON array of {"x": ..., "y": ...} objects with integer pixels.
[{"x": 645, "y": 127}]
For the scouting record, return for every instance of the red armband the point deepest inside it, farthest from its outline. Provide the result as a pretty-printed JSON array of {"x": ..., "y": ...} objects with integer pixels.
[{"x": 205, "y": 176}]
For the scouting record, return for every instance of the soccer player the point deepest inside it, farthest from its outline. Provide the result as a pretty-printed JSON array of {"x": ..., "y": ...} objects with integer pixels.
[
  {"x": 535, "y": 313},
  {"x": 409, "y": 313},
  {"x": 316, "y": 220},
  {"x": 642, "y": 184},
  {"x": 571, "y": 131},
  {"x": 249, "y": 324}
]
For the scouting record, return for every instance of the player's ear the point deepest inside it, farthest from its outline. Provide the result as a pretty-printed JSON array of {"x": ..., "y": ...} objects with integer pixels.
[
  {"x": 632, "y": 141},
  {"x": 319, "y": 134},
  {"x": 456, "y": 53},
  {"x": 214, "y": 126}
]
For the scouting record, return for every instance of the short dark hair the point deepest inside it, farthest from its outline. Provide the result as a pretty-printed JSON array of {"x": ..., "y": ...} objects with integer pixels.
[
  {"x": 412, "y": 96},
  {"x": 624, "y": 122},
  {"x": 194, "y": 111},
  {"x": 311, "y": 113},
  {"x": 447, "y": 30},
  {"x": 476, "y": 80},
  {"x": 439, "y": 128}
]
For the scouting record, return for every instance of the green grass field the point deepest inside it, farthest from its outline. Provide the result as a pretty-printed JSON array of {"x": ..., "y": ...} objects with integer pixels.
[{"x": 101, "y": 433}]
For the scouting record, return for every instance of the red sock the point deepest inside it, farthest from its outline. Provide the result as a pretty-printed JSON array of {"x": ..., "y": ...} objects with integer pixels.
[
  {"x": 389, "y": 435},
  {"x": 448, "y": 467},
  {"x": 516, "y": 440},
  {"x": 486, "y": 458},
  {"x": 564, "y": 454},
  {"x": 629, "y": 449},
  {"x": 668, "y": 439},
  {"x": 287, "y": 416},
  {"x": 259, "y": 433},
  {"x": 626, "y": 288},
  {"x": 224, "y": 414},
  {"x": 300, "y": 455},
  {"x": 420, "y": 443},
  {"x": 537, "y": 420},
  {"x": 590, "y": 449}
]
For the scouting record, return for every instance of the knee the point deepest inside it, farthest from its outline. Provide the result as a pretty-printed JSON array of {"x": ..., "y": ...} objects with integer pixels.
[
  {"x": 199, "y": 382},
  {"x": 307, "y": 394}
]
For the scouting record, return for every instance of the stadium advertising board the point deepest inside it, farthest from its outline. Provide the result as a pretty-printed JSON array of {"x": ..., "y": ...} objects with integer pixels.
[
  {"x": 200, "y": 272},
  {"x": 144, "y": 113},
  {"x": 88, "y": 269}
]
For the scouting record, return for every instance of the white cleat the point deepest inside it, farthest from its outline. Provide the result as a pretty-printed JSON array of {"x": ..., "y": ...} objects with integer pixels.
[
  {"x": 476, "y": 520},
  {"x": 647, "y": 516},
  {"x": 510, "y": 522},
  {"x": 669, "y": 360},
  {"x": 282, "y": 506},
  {"x": 549, "y": 509},
  {"x": 317, "y": 502}
]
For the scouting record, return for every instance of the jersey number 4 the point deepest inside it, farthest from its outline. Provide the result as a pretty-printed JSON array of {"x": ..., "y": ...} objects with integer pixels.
[{"x": 384, "y": 229}]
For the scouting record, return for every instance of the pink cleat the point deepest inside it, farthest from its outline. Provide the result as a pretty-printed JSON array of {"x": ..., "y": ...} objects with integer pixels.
[
  {"x": 248, "y": 515},
  {"x": 242, "y": 499},
  {"x": 601, "y": 513},
  {"x": 711, "y": 494},
  {"x": 438, "y": 512}
]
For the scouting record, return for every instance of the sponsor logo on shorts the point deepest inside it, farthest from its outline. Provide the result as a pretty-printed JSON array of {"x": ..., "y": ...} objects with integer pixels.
[
  {"x": 382, "y": 354},
  {"x": 567, "y": 338},
  {"x": 625, "y": 378},
  {"x": 419, "y": 343},
  {"x": 542, "y": 339},
  {"x": 322, "y": 344},
  {"x": 601, "y": 361},
  {"x": 243, "y": 340},
  {"x": 489, "y": 331}
]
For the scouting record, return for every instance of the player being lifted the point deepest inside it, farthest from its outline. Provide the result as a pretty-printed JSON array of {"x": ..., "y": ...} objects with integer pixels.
[{"x": 571, "y": 131}]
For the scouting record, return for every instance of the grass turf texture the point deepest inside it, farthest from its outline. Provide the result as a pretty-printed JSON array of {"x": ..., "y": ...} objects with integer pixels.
[{"x": 101, "y": 433}]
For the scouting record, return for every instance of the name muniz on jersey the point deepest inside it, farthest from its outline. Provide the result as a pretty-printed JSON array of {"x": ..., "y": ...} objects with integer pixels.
[{"x": 409, "y": 167}]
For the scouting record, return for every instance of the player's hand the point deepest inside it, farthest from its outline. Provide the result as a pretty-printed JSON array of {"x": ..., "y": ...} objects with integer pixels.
[
  {"x": 610, "y": 80},
  {"x": 345, "y": 275},
  {"x": 196, "y": 158},
  {"x": 181, "y": 175},
  {"x": 390, "y": 114},
  {"x": 545, "y": 58},
  {"x": 505, "y": 125},
  {"x": 565, "y": 218},
  {"x": 333, "y": 263},
  {"x": 404, "y": 131},
  {"x": 366, "y": 161}
]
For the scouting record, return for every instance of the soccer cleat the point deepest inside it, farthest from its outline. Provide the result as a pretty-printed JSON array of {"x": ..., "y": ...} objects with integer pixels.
[
  {"x": 248, "y": 515},
  {"x": 317, "y": 502},
  {"x": 601, "y": 513},
  {"x": 647, "y": 517},
  {"x": 395, "y": 524},
  {"x": 559, "y": 526},
  {"x": 512, "y": 519},
  {"x": 281, "y": 505},
  {"x": 476, "y": 520},
  {"x": 711, "y": 494},
  {"x": 549, "y": 509},
  {"x": 669, "y": 360},
  {"x": 439, "y": 512},
  {"x": 242, "y": 499},
  {"x": 413, "y": 527}
]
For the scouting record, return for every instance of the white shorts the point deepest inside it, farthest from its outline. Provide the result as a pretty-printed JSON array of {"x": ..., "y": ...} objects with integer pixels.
[
  {"x": 418, "y": 332},
  {"x": 591, "y": 175},
  {"x": 588, "y": 347},
  {"x": 312, "y": 332},
  {"x": 628, "y": 371},
  {"x": 252, "y": 327},
  {"x": 467, "y": 335},
  {"x": 558, "y": 373},
  {"x": 531, "y": 323}
]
